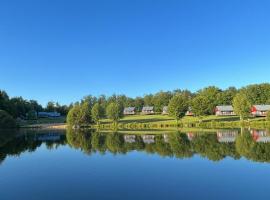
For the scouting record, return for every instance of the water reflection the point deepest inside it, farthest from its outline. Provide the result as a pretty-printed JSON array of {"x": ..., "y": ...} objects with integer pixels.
[{"x": 251, "y": 144}]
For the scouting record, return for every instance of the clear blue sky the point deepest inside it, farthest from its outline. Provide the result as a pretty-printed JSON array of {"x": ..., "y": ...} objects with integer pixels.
[{"x": 62, "y": 50}]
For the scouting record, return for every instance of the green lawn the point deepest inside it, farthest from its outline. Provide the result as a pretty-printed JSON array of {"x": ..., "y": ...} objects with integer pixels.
[{"x": 165, "y": 119}]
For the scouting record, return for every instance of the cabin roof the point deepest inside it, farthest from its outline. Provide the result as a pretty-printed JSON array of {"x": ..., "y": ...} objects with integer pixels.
[
  {"x": 148, "y": 108},
  {"x": 129, "y": 109},
  {"x": 224, "y": 108},
  {"x": 262, "y": 107}
]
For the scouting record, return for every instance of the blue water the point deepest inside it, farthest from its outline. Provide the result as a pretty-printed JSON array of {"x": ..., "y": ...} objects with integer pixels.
[{"x": 68, "y": 172}]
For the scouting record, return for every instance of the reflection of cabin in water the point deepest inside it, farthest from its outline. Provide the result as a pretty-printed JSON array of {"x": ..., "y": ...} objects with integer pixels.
[
  {"x": 48, "y": 137},
  {"x": 129, "y": 111},
  {"x": 130, "y": 138},
  {"x": 260, "y": 110},
  {"x": 224, "y": 111},
  {"x": 166, "y": 138},
  {"x": 165, "y": 110},
  {"x": 147, "y": 110},
  {"x": 227, "y": 136},
  {"x": 148, "y": 139},
  {"x": 190, "y": 136},
  {"x": 260, "y": 136}
]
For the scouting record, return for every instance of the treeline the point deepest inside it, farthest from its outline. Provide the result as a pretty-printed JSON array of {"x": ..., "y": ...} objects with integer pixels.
[
  {"x": 91, "y": 109},
  {"x": 17, "y": 107},
  {"x": 202, "y": 103}
]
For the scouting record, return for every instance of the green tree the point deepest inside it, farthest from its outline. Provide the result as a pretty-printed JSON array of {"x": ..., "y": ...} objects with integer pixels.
[
  {"x": 32, "y": 115},
  {"x": 73, "y": 117},
  {"x": 51, "y": 107},
  {"x": 114, "y": 112},
  {"x": 226, "y": 97},
  {"x": 210, "y": 95},
  {"x": 160, "y": 100},
  {"x": 6, "y": 120},
  {"x": 241, "y": 105},
  {"x": 85, "y": 113},
  {"x": 178, "y": 107},
  {"x": 97, "y": 113},
  {"x": 199, "y": 106}
]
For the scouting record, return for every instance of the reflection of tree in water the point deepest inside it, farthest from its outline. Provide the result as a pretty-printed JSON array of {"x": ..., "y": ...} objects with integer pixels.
[
  {"x": 17, "y": 143},
  {"x": 174, "y": 144},
  {"x": 256, "y": 151},
  {"x": 180, "y": 145},
  {"x": 80, "y": 139},
  {"x": 208, "y": 146}
]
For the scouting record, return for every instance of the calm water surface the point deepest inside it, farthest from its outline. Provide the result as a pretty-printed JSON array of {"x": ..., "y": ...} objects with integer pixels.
[{"x": 228, "y": 164}]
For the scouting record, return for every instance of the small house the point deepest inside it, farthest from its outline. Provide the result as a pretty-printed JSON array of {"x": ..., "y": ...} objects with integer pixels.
[
  {"x": 165, "y": 110},
  {"x": 148, "y": 110},
  {"x": 189, "y": 112},
  {"x": 224, "y": 111},
  {"x": 48, "y": 114},
  {"x": 260, "y": 110},
  {"x": 129, "y": 111}
]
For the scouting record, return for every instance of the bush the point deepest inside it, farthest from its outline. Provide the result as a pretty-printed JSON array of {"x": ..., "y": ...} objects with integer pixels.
[{"x": 6, "y": 121}]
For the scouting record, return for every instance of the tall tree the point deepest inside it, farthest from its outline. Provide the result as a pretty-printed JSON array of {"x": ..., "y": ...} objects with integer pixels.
[
  {"x": 241, "y": 105},
  {"x": 160, "y": 100},
  {"x": 178, "y": 107},
  {"x": 97, "y": 113},
  {"x": 114, "y": 112},
  {"x": 200, "y": 106}
]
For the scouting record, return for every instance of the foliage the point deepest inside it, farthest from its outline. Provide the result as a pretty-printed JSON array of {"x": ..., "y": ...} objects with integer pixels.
[
  {"x": 241, "y": 105},
  {"x": 114, "y": 112},
  {"x": 178, "y": 107},
  {"x": 79, "y": 115},
  {"x": 199, "y": 106},
  {"x": 97, "y": 112},
  {"x": 257, "y": 93},
  {"x": 32, "y": 115},
  {"x": 6, "y": 120},
  {"x": 160, "y": 100}
]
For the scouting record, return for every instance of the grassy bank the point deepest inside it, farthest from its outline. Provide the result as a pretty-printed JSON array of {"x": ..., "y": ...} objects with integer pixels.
[{"x": 166, "y": 122}]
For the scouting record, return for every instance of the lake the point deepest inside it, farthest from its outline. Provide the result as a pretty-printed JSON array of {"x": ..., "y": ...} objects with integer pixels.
[{"x": 223, "y": 164}]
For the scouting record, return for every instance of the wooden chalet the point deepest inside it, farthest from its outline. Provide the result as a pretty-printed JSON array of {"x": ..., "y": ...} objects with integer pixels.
[
  {"x": 224, "y": 110},
  {"x": 260, "y": 110},
  {"x": 129, "y": 111},
  {"x": 148, "y": 110}
]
